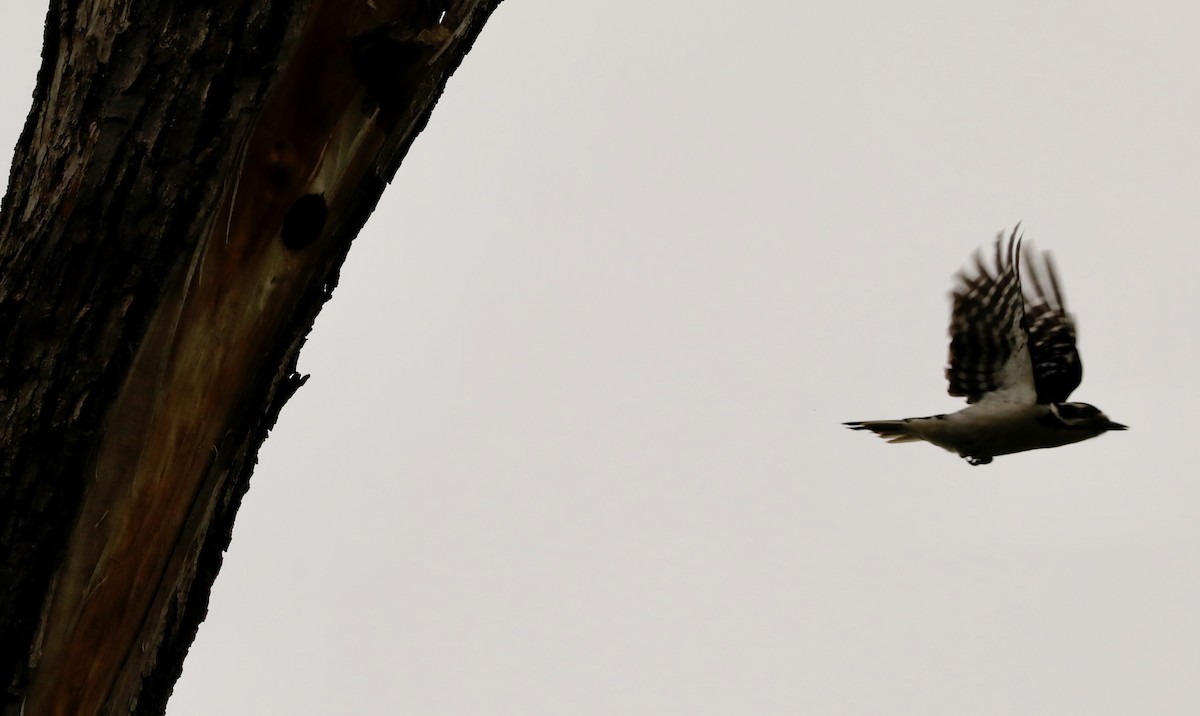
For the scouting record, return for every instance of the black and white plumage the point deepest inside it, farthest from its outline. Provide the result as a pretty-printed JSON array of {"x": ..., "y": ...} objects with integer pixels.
[{"x": 1013, "y": 357}]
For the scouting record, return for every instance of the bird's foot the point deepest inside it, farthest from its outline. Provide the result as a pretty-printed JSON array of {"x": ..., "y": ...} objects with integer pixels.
[{"x": 973, "y": 460}]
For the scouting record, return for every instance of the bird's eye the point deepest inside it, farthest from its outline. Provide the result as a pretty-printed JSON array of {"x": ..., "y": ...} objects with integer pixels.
[{"x": 1076, "y": 411}]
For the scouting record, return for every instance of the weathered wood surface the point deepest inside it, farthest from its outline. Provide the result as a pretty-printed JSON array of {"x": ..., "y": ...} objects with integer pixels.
[{"x": 182, "y": 197}]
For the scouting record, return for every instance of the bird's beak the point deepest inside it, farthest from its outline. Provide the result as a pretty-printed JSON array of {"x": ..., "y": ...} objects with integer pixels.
[{"x": 1115, "y": 426}]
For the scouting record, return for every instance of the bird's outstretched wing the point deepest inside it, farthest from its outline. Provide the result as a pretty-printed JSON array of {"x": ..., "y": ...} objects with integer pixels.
[
  {"x": 989, "y": 352},
  {"x": 1057, "y": 369}
]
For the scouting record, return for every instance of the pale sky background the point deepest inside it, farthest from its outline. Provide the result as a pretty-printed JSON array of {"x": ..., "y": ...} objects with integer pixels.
[{"x": 572, "y": 441}]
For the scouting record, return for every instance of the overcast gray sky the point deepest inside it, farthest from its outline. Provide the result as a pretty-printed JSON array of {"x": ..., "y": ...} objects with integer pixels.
[{"x": 572, "y": 441}]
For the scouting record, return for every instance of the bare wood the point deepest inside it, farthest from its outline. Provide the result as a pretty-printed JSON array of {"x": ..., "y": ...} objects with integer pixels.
[{"x": 183, "y": 195}]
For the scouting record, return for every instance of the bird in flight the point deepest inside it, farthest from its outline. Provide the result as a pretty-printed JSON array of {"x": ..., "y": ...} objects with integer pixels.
[{"x": 1013, "y": 357}]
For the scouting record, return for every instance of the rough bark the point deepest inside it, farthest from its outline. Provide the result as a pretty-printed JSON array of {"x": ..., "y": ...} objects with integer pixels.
[{"x": 183, "y": 195}]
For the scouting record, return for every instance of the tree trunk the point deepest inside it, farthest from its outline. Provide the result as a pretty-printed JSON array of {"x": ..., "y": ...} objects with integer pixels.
[{"x": 184, "y": 192}]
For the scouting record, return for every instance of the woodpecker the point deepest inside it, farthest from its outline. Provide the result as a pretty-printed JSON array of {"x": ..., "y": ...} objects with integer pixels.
[{"x": 1013, "y": 357}]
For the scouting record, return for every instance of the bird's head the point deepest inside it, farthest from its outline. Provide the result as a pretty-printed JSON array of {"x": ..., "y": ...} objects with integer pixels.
[{"x": 1081, "y": 416}]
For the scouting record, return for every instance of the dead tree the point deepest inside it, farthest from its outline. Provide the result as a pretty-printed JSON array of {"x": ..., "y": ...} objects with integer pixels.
[{"x": 184, "y": 192}]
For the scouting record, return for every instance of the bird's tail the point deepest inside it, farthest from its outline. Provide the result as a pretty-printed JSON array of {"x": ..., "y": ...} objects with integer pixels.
[{"x": 894, "y": 431}]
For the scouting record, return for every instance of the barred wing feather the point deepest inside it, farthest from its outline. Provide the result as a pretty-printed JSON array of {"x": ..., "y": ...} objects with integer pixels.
[
  {"x": 1057, "y": 369},
  {"x": 989, "y": 351}
]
